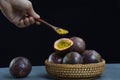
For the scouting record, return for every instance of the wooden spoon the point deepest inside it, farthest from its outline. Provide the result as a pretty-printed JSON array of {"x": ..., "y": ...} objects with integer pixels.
[{"x": 59, "y": 30}]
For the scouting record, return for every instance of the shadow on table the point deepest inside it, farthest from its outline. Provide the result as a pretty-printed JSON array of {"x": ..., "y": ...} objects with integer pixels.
[
  {"x": 46, "y": 76},
  {"x": 7, "y": 76},
  {"x": 55, "y": 78},
  {"x": 42, "y": 77},
  {"x": 30, "y": 77}
]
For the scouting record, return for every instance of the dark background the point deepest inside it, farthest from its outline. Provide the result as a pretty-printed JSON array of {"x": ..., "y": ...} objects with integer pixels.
[{"x": 97, "y": 22}]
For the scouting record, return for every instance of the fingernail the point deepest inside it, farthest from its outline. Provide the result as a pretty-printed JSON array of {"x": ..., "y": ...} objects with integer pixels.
[{"x": 37, "y": 16}]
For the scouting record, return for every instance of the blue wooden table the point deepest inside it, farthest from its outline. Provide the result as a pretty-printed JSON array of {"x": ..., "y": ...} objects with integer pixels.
[{"x": 112, "y": 72}]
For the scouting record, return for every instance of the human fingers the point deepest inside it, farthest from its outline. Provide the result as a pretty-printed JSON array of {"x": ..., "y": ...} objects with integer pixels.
[
  {"x": 31, "y": 19},
  {"x": 37, "y": 22},
  {"x": 21, "y": 24},
  {"x": 27, "y": 21}
]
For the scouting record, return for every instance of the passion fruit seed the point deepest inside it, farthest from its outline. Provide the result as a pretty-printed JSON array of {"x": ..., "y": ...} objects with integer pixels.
[
  {"x": 61, "y": 31},
  {"x": 63, "y": 44}
]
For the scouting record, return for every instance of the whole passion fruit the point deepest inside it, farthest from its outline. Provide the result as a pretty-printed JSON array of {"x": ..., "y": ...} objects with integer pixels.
[
  {"x": 55, "y": 58},
  {"x": 73, "y": 58},
  {"x": 20, "y": 67},
  {"x": 63, "y": 45},
  {"x": 78, "y": 44},
  {"x": 91, "y": 56}
]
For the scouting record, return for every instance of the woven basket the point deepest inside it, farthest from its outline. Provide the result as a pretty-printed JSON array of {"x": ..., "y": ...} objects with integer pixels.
[{"x": 75, "y": 71}]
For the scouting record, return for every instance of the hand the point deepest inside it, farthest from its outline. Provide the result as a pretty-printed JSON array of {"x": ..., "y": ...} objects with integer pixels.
[{"x": 19, "y": 12}]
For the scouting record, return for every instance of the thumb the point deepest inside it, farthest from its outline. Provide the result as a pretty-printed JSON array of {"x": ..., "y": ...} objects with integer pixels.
[{"x": 32, "y": 13}]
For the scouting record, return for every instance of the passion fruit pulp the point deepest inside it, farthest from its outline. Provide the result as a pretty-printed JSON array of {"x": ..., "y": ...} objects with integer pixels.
[
  {"x": 78, "y": 44},
  {"x": 20, "y": 67},
  {"x": 63, "y": 45}
]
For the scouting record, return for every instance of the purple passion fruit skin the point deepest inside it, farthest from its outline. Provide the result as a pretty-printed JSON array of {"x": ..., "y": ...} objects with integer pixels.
[
  {"x": 20, "y": 67},
  {"x": 63, "y": 45},
  {"x": 78, "y": 44},
  {"x": 55, "y": 58},
  {"x": 73, "y": 58},
  {"x": 91, "y": 56}
]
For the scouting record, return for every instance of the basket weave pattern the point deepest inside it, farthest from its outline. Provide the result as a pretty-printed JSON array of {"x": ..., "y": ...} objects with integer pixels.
[{"x": 76, "y": 70}]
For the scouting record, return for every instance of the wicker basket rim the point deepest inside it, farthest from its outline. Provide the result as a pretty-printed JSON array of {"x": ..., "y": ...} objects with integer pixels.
[{"x": 73, "y": 65}]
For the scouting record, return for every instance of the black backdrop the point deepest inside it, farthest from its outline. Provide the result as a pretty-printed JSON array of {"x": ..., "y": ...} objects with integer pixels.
[{"x": 96, "y": 22}]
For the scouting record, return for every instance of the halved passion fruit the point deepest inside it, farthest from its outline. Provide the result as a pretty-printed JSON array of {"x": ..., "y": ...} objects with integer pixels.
[{"x": 63, "y": 45}]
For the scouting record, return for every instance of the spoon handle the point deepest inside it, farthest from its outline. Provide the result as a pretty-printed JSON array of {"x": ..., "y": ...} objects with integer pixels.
[{"x": 46, "y": 23}]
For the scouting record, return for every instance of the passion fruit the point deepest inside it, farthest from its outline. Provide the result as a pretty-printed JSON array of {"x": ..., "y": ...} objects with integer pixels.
[
  {"x": 20, "y": 67},
  {"x": 78, "y": 44},
  {"x": 63, "y": 45},
  {"x": 91, "y": 56},
  {"x": 73, "y": 58},
  {"x": 55, "y": 58}
]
